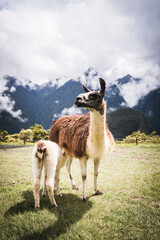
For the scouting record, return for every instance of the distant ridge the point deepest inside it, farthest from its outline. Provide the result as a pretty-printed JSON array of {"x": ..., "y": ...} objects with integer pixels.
[
  {"x": 123, "y": 121},
  {"x": 150, "y": 106}
]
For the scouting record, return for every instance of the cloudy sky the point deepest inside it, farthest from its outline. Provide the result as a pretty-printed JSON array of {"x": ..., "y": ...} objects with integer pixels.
[{"x": 44, "y": 39}]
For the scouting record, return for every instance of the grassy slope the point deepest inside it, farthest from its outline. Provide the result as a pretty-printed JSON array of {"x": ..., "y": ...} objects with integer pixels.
[{"x": 128, "y": 209}]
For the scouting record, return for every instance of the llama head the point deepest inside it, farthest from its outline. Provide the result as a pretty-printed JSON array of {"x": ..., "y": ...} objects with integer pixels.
[{"x": 93, "y": 100}]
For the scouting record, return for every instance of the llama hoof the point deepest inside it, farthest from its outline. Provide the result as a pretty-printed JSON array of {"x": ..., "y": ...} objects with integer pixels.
[
  {"x": 98, "y": 192},
  {"x": 74, "y": 187},
  {"x": 59, "y": 195},
  {"x": 37, "y": 208},
  {"x": 83, "y": 199},
  {"x": 53, "y": 205},
  {"x": 43, "y": 194}
]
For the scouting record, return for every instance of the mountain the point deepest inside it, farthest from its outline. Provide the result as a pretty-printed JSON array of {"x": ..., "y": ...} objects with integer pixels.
[
  {"x": 123, "y": 121},
  {"x": 58, "y": 99},
  {"x": 127, "y": 79},
  {"x": 150, "y": 106},
  {"x": 38, "y": 104},
  {"x": 114, "y": 98},
  {"x": 25, "y": 99},
  {"x": 10, "y": 123},
  {"x": 22, "y": 104}
]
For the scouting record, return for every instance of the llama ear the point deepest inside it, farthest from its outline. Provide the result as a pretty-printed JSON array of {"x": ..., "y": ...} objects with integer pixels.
[
  {"x": 85, "y": 88},
  {"x": 103, "y": 86}
]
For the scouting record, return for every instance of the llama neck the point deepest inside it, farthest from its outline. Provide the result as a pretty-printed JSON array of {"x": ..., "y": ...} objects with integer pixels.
[
  {"x": 97, "y": 132},
  {"x": 97, "y": 122}
]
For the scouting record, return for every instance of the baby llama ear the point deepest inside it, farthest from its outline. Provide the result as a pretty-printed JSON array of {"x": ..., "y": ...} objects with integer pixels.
[
  {"x": 103, "y": 86},
  {"x": 85, "y": 88}
]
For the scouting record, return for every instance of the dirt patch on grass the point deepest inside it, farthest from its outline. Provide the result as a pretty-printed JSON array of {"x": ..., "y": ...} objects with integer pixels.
[
  {"x": 6, "y": 184},
  {"x": 13, "y": 146}
]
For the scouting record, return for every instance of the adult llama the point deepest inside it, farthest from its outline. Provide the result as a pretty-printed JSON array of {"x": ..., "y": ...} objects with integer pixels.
[{"x": 85, "y": 136}]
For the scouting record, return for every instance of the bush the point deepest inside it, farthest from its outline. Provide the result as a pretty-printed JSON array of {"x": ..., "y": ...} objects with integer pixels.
[
  {"x": 26, "y": 135},
  {"x": 12, "y": 138},
  {"x": 39, "y": 133},
  {"x": 33, "y": 134},
  {"x": 138, "y": 137},
  {"x": 3, "y": 135}
]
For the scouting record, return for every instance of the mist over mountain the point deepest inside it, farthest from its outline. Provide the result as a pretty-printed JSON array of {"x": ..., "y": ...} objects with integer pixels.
[{"x": 22, "y": 104}]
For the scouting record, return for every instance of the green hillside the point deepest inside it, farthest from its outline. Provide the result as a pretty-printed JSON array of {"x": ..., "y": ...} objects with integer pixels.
[{"x": 124, "y": 121}]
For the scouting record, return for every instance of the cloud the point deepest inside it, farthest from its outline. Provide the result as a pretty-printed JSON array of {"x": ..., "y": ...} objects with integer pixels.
[
  {"x": 90, "y": 79},
  {"x": 133, "y": 90},
  {"x": 12, "y": 89},
  {"x": 60, "y": 81},
  {"x": 68, "y": 111},
  {"x": 43, "y": 40},
  {"x": 7, "y": 104}
]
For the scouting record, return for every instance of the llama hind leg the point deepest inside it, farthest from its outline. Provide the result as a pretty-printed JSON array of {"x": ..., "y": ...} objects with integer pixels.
[
  {"x": 44, "y": 184},
  {"x": 69, "y": 169},
  {"x": 83, "y": 165},
  {"x": 36, "y": 190},
  {"x": 50, "y": 188},
  {"x": 96, "y": 166},
  {"x": 57, "y": 182},
  {"x": 36, "y": 185}
]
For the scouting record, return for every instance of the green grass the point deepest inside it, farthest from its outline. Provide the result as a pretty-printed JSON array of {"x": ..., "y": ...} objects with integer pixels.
[{"x": 128, "y": 209}]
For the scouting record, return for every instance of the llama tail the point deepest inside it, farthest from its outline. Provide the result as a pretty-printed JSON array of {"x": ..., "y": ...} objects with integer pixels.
[{"x": 41, "y": 149}]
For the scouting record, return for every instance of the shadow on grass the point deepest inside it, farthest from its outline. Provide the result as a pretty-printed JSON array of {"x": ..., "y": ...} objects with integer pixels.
[{"x": 70, "y": 210}]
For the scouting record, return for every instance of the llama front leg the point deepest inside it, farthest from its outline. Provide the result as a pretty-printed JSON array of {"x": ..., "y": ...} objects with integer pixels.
[
  {"x": 83, "y": 165},
  {"x": 69, "y": 169},
  {"x": 96, "y": 166}
]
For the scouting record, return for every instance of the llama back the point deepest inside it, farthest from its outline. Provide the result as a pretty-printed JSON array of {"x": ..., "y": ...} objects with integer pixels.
[{"x": 71, "y": 133}]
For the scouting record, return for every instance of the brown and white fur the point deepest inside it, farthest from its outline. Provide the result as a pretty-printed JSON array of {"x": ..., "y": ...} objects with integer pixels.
[
  {"x": 85, "y": 136},
  {"x": 47, "y": 155}
]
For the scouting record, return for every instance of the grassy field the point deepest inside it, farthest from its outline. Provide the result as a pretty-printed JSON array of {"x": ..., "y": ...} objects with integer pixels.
[{"x": 128, "y": 209}]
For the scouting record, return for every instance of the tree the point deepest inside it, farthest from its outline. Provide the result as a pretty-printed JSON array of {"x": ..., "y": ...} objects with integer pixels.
[
  {"x": 3, "y": 135},
  {"x": 138, "y": 137},
  {"x": 39, "y": 132},
  {"x": 25, "y": 135}
]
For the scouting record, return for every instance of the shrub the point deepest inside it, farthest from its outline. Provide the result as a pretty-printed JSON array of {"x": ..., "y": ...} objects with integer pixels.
[
  {"x": 38, "y": 133},
  {"x": 26, "y": 135},
  {"x": 138, "y": 137},
  {"x": 3, "y": 135}
]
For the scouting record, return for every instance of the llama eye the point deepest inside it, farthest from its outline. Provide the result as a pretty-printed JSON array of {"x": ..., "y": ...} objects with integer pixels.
[{"x": 93, "y": 96}]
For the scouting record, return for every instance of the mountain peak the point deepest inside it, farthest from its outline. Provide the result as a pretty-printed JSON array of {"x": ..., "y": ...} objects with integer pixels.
[
  {"x": 10, "y": 81},
  {"x": 90, "y": 72},
  {"x": 127, "y": 79},
  {"x": 14, "y": 82},
  {"x": 89, "y": 78},
  {"x": 124, "y": 80}
]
